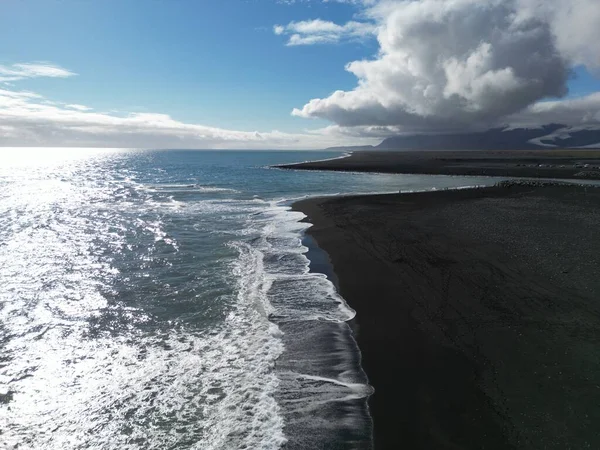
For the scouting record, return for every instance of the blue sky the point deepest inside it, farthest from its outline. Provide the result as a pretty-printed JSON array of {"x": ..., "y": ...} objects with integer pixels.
[
  {"x": 217, "y": 62},
  {"x": 228, "y": 67},
  {"x": 583, "y": 83}
]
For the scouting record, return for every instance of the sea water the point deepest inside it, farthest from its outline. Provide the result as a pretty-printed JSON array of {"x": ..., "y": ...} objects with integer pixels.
[{"x": 163, "y": 300}]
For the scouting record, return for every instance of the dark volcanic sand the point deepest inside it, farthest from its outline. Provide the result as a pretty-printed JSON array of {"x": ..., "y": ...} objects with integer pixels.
[
  {"x": 524, "y": 163},
  {"x": 478, "y": 313}
]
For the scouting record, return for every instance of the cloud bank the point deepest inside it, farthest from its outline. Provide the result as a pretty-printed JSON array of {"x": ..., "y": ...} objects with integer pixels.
[
  {"x": 459, "y": 64},
  {"x": 28, "y": 119}
]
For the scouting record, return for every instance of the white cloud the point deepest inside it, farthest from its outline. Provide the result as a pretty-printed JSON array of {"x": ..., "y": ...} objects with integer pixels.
[
  {"x": 16, "y": 72},
  {"x": 28, "y": 119},
  {"x": 576, "y": 111},
  {"x": 78, "y": 107},
  {"x": 319, "y": 31},
  {"x": 455, "y": 64},
  {"x": 574, "y": 24}
]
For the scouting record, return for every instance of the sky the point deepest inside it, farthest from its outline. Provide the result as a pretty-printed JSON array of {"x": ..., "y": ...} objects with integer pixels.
[{"x": 290, "y": 73}]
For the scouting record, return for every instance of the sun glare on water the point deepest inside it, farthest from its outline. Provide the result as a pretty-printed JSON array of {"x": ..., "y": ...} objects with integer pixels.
[{"x": 44, "y": 156}]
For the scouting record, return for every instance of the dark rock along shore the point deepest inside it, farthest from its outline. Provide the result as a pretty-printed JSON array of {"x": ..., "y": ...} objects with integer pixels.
[{"x": 478, "y": 312}]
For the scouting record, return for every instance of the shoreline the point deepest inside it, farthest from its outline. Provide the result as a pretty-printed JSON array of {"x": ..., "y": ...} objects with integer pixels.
[
  {"x": 434, "y": 339},
  {"x": 576, "y": 164}
]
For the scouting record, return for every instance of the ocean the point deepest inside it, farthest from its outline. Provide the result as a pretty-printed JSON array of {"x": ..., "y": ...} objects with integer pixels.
[{"x": 165, "y": 300}]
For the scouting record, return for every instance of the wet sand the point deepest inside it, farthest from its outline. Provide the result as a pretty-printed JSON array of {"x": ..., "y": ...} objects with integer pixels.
[
  {"x": 478, "y": 313},
  {"x": 567, "y": 164}
]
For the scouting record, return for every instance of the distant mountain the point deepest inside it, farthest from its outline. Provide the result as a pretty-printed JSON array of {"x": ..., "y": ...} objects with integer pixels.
[
  {"x": 570, "y": 137},
  {"x": 354, "y": 148},
  {"x": 547, "y": 136}
]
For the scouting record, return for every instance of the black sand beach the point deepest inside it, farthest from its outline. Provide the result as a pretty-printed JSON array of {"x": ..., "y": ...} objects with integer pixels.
[
  {"x": 478, "y": 313},
  {"x": 567, "y": 164}
]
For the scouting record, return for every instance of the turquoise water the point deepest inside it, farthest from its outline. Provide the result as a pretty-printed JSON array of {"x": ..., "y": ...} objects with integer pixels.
[{"x": 163, "y": 300}]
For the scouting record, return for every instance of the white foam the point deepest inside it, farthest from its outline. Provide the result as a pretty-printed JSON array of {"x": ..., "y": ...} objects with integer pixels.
[
  {"x": 190, "y": 188},
  {"x": 274, "y": 272},
  {"x": 294, "y": 292},
  {"x": 342, "y": 156}
]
